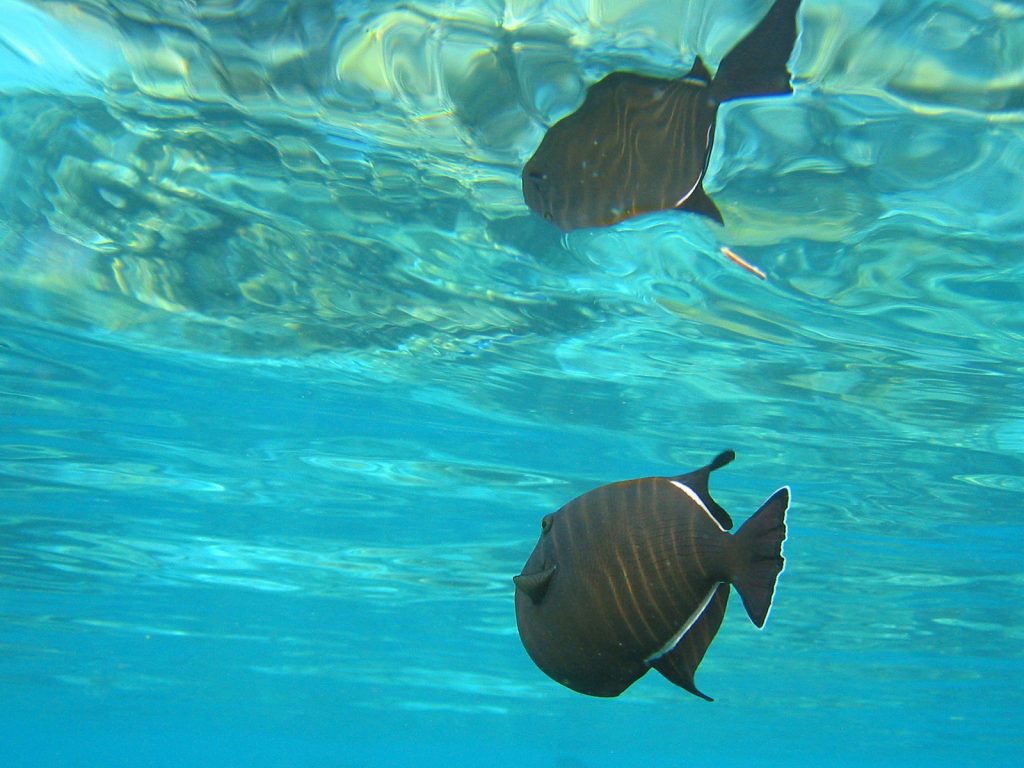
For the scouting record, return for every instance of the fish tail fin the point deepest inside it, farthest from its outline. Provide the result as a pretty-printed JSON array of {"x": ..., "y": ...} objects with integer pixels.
[
  {"x": 759, "y": 556},
  {"x": 757, "y": 65}
]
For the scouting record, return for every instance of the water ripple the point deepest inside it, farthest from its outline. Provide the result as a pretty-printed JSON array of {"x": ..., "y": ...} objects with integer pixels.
[{"x": 233, "y": 194}]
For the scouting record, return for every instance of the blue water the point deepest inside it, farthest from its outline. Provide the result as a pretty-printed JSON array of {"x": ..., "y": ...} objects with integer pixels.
[{"x": 289, "y": 376}]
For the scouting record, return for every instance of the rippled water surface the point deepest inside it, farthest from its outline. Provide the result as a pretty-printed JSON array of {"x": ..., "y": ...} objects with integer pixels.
[{"x": 289, "y": 375}]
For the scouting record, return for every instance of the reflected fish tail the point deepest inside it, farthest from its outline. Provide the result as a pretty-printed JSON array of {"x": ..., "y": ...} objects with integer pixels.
[{"x": 757, "y": 65}]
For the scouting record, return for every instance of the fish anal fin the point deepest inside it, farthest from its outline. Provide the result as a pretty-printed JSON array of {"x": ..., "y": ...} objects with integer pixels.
[
  {"x": 680, "y": 664},
  {"x": 697, "y": 481},
  {"x": 535, "y": 585}
]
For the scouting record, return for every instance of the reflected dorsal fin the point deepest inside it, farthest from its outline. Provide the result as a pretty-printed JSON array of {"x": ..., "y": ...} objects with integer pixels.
[
  {"x": 697, "y": 481},
  {"x": 535, "y": 585},
  {"x": 698, "y": 73},
  {"x": 699, "y": 202}
]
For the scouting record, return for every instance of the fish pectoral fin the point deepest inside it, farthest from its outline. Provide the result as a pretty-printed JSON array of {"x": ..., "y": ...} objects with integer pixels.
[
  {"x": 680, "y": 664},
  {"x": 535, "y": 585}
]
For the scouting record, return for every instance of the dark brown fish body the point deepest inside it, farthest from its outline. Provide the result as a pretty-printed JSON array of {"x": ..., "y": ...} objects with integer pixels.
[
  {"x": 639, "y": 144},
  {"x": 636, "y": 574}
]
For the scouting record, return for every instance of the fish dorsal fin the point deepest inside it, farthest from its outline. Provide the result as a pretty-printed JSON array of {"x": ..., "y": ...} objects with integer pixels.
[
  {"x": 535, "y": 585},
  {"x": 698, "y": 73},
  {"x": 680, "y": 663},
  {"x": 698, "y": 202},
  {"x": 697, "y": 481}
]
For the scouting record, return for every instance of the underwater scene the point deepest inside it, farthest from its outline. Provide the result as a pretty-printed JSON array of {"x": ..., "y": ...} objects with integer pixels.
[{"x": 321, "y": 322}]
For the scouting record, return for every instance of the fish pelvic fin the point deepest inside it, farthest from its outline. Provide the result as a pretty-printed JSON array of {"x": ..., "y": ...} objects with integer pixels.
[
  {"x": 758, "y": 559},
  {"x": 757, "y": 65}
]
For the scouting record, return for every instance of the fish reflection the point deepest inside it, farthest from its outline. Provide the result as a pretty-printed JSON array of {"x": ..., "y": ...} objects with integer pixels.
[{"x": 639, "y": 144}]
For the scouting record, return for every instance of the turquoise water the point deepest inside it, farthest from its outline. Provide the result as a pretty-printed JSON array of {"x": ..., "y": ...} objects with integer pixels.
[{"x": 289, "y": 375}]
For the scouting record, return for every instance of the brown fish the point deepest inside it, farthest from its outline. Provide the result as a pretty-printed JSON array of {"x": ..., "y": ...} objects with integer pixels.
[
  {"x": 639, "y": 144},
  {"x": 636, "y": 574}
]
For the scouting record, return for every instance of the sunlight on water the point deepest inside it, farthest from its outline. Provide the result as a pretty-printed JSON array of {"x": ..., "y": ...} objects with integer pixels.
[{"x": 238, "y": 188}]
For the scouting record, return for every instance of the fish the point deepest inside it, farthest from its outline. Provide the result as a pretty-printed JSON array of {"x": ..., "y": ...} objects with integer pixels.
[
  {"x": 636, "y": 575},
  {"x": 640, "y": 144}
]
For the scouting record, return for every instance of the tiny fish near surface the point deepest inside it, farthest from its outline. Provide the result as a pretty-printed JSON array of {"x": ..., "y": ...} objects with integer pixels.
[
  {"x": 636, "y": 574},
  {"x": 640, "y": 144}
]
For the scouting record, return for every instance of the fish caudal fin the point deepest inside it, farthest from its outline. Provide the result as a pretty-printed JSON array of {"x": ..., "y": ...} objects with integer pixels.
[
  {"x": 759, "y": 558},
  {"x": 757, "y": 65}
]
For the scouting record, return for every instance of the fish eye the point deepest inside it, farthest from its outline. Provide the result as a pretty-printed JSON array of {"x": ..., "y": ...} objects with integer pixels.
[
  {"x": 538, "y": 181},
  {"x": 545, "y": 524}
]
